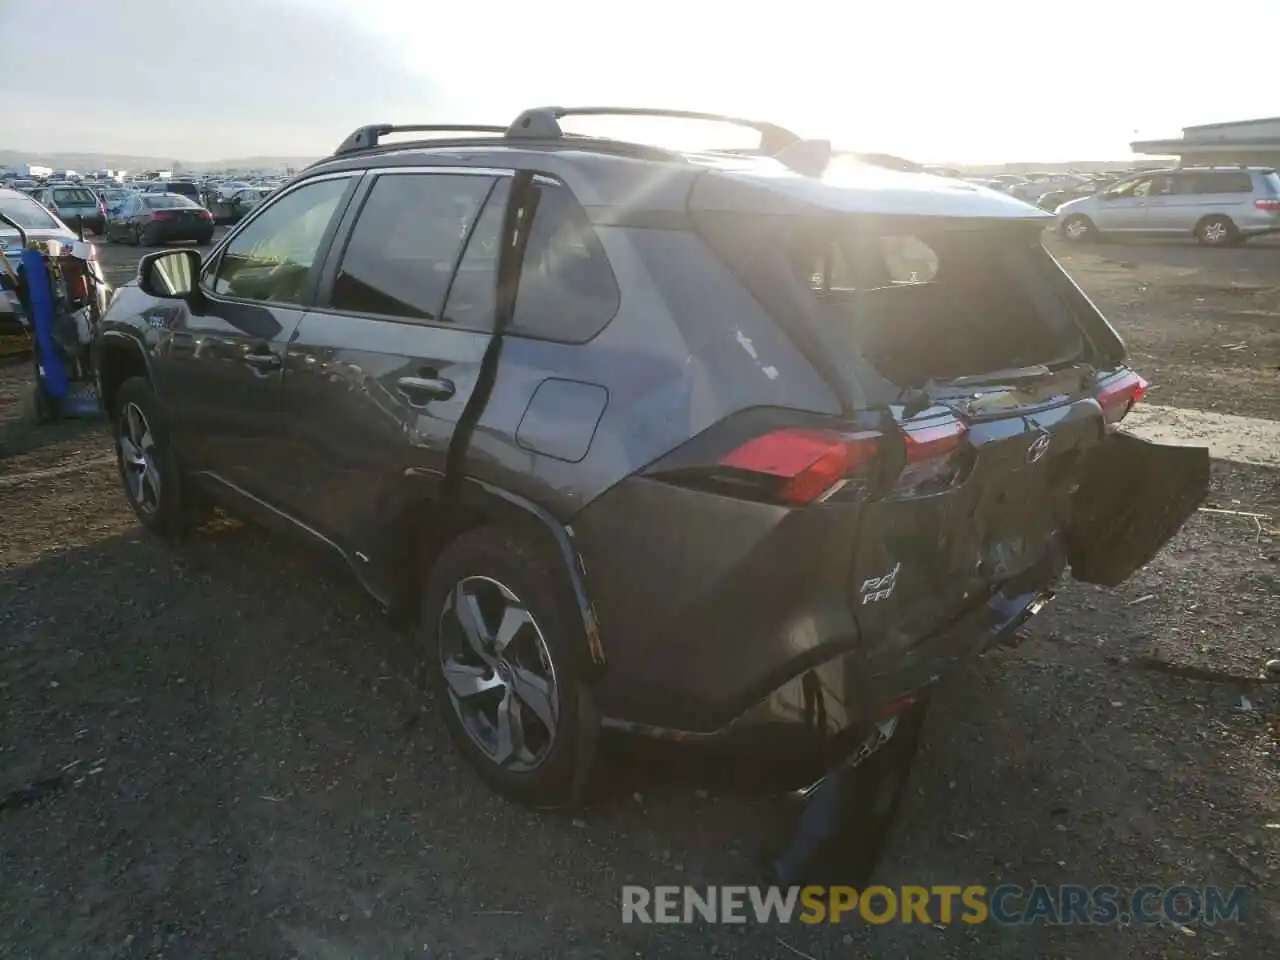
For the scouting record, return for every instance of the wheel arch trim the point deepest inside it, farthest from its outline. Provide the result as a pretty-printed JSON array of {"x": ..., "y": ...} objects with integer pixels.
[
  {"x": 119, "y": 339},
  {"x": 495, "y": 500}
]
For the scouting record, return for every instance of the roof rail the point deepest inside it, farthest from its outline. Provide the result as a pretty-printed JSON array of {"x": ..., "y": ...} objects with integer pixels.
[
  {"x": 368, "y": 137},
  {"x": 543, "y": 123}
]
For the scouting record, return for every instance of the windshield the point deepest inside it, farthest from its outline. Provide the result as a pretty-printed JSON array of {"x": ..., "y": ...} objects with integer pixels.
[
  {"x": 27, "y": 213},
  {"x": 165, "y": 201},
  {"x": 77, "y": 196}
]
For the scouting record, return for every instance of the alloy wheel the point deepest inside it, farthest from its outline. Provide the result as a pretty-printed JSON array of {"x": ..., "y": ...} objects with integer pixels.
[
  {"x": 499, "y": 673},
  {"x": 1215, "y": 232},
  {"x": 138, "y": 459},
  {"x": 1077, "y": 229}
]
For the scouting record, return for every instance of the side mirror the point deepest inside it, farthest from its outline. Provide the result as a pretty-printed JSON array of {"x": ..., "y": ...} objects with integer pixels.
[{"x": 169, "y": 274}]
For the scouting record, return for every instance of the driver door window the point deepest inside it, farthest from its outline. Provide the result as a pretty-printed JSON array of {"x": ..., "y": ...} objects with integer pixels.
[{"x": 271, "y": 259}]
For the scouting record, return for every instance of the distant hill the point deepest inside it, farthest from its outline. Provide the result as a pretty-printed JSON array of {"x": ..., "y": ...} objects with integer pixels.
[{"x": 115, "y": 161}]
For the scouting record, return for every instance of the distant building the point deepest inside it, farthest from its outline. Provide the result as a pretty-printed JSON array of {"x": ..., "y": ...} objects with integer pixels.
[{"x": 1254, "y": 143}]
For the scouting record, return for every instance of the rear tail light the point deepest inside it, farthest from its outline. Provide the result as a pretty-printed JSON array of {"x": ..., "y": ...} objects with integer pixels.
[
  {"x": 799, "y": 465},
  {"x": 1268, "y": 206},
  {"x": 206, "y": 215},
  {"x": 1119, "y": 394},
  {"x": 802, "y": 465},
  {"x": 936, "y": 454}
]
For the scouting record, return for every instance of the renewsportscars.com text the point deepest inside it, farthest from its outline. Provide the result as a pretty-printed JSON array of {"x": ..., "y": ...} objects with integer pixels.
[{"x": 1006, "y": 904}]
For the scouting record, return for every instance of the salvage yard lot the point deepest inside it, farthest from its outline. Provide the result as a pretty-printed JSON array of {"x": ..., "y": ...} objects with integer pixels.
[{"x": 244, "y": 767}]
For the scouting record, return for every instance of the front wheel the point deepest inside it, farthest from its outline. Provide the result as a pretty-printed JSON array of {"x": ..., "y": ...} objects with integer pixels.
[
  {"x": 1078, "y": 228},
  {"x": 501, "y": 659},
  {"x": 153, "y": 483}
]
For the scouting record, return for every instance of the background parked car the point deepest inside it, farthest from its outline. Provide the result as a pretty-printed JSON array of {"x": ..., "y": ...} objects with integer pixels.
[
  {"x": 156, "y": 218},
  {"x": 237, "y": 206},
  {"x": 1219, "y": 206},
  {"x": 1053, "y": 199},
  {"x": 185, "y": 188},
  {"x": 72, "y": 204}
]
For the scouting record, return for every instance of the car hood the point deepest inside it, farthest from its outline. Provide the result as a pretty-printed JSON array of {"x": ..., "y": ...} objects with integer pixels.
[{"x": 1071, "y": 206}]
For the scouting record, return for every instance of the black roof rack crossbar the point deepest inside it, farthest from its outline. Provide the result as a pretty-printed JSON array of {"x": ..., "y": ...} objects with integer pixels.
[
  {"x": 368, "y": 137},
  {"x": 543, "y": 123}
]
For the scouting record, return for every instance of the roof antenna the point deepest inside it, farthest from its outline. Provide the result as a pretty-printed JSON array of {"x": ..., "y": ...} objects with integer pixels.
[{"x": 809, "y": 158}]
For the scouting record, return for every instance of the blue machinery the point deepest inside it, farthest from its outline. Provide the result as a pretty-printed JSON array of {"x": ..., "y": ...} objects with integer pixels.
[{"x": 56, "y": 299}]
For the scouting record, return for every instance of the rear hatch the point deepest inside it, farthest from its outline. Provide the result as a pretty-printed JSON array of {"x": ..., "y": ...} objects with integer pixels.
[{"x": 991, "y": 389}]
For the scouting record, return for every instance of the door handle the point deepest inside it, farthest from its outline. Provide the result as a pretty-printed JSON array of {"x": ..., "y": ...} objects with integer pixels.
[
  {"x": 263, "y": 361},
  {"x": 423, "y": 389}
]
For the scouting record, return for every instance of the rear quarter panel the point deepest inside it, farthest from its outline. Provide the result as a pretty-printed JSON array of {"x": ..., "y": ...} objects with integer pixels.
[{"x": 688, "y": 347}]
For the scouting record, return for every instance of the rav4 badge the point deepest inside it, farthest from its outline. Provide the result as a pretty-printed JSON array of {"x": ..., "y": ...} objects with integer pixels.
[{"x": 875, "y": 589}]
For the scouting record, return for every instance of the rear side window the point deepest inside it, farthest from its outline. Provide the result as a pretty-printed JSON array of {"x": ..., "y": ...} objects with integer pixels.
[
  {"x": 1218, "y": 181},
  {"x": 406, "y": 242},
  {"x": 1271, "y": 180},
  {"x": 567, "y": 289}
]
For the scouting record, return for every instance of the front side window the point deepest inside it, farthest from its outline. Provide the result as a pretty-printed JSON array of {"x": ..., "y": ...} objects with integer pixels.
[
  {"x": 271, "y": 258},
  {"x": 406, "y": 242}
]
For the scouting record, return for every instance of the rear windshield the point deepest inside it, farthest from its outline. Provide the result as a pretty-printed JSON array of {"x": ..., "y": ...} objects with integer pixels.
[
  {"x": 187, "y": 189},
  {"x": 917, "y": 299},
  {"x": 77, "y": 196},
  {"x": 166, "y": 201},
  {"x": 27, "y": 213}
]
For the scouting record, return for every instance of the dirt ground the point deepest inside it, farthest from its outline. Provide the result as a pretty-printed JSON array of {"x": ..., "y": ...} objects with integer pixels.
[{"x": 226, "y": 758}]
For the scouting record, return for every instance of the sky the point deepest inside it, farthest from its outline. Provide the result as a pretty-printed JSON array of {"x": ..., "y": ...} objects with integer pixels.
[{"x": 973, "y": 82}]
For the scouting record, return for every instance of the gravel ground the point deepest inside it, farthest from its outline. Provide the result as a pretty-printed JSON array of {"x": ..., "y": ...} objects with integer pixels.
[{"x": 229, "y": 761}]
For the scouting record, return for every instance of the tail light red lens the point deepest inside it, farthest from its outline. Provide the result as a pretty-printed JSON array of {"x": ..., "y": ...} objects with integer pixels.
[
  {"x": 806, "y": 463},
  {"x": 161, "y": 215},
  {"x": 1268, "y": 206},
  {"x": 206, "y": 215},
  {"x": 935, "y": 455},
  {"x": 1119, "y": 394}
]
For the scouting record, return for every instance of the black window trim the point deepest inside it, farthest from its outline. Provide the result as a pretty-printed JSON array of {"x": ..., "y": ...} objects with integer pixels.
[
  {"x": 338, "y": 248},
  {"x": 209, "y": 267}
]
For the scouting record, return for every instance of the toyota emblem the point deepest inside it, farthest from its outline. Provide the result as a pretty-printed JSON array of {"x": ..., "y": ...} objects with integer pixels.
[{"x": 1039, "y": 447}]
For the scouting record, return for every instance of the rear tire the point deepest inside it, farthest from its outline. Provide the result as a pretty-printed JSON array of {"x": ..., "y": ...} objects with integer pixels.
[
  {"x": 147, "y": 237},
  {"x": 1079, "y": 229},
  {"x": 153, "y": 482},
  {"x": 501, "y": 632},
  {"x": 1217, "y": 231}
]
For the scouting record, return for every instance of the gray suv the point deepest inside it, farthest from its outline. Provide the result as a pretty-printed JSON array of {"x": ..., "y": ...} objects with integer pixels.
[
  {"x": 740, "y": 448},
  {"x": 1219, "y": 206}
]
